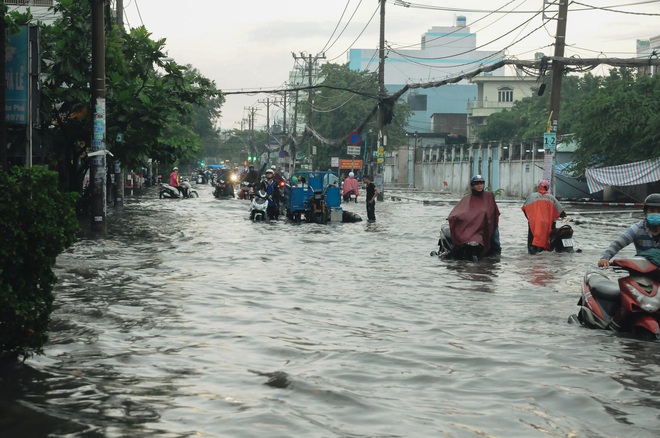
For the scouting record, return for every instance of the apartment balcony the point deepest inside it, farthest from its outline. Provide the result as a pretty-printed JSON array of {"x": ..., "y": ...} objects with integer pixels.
[{"x": 484, "y": 108}]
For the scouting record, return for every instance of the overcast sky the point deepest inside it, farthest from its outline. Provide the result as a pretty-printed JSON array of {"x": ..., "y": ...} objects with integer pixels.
[{"x": 247, "y": 44}]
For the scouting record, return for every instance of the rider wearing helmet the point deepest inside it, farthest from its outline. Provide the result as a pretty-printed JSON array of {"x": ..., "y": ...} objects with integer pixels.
[
  {"x": 541, "y": 210},
  {"x": 174, "y": 182},
  {"x": 251, "y": 176},
  {"x": 645, "y": 234},
  {"x": 475, "y": 219},
  {"x": 350, "y": 185}
]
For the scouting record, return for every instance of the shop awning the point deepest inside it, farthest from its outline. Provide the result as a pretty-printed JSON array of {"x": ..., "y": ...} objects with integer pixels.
[{"x": 641, "y": 172}]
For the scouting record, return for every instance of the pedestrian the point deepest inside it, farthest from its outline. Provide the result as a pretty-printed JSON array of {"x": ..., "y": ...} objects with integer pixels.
[
  {"x": 372, "y": 194},
  {"x": 541, "y": 210},
  {"x": 645, "y": 234}
]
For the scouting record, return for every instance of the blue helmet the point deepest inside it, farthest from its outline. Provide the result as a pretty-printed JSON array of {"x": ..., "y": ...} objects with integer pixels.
[{"x": 477, "y": 179}]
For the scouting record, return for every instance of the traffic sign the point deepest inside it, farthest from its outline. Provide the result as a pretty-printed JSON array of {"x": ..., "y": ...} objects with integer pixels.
[
  {"x": 550, "y": 141},
  {"x": 354, "y": 138},
  {"x": 353, "y": 150}
]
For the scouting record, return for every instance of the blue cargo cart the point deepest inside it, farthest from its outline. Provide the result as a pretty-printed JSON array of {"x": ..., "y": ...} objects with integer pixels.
[{"x": 315, "y": 197}]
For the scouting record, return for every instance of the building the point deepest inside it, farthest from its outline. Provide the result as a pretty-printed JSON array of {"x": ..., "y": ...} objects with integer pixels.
[
  {"x": 495, "y": 94},
  {"x": 646, "y": 49},
  {"x": 443, "y": 52}
]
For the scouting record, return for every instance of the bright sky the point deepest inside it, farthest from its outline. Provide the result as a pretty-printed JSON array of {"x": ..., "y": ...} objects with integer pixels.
[{"x": 248, "y": 44}]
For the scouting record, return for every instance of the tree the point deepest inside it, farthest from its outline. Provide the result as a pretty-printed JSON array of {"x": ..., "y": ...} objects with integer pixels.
[
  {"x": 38, "y": 223},
  {"x": 152, "y": 102},
  {"x": 346, "y": 100},
  {"x": 619, "y": 122}
]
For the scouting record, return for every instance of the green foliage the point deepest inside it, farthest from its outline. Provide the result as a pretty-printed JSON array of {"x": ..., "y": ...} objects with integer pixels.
[
  {"x": 613, "y": 118},
  {"x": 38, "y": 223},
  {"x": 619, "y": 121},
  {"x": 163, "y": 110},
  {"x": 340, "y": 109}
]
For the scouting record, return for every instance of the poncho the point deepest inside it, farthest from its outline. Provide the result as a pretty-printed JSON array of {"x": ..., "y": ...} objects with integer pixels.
[{"x": 474, "y": 219}]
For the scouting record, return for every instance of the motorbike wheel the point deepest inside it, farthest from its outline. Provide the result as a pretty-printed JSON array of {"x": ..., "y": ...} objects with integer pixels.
[
  {"x": 161, "y": 195},
  {"x": 193, "y": 195}
]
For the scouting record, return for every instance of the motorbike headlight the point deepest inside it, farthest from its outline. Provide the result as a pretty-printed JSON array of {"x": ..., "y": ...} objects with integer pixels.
[{"x": 648, "y": 304}]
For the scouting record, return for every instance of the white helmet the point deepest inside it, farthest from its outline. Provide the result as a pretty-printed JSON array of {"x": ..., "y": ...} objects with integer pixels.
[
  {"x": 176, "y": 168},
  {"x": 351, "y": 174},
  {"x": 269, "y": 171},
  {"x": 273, "y": 167}
]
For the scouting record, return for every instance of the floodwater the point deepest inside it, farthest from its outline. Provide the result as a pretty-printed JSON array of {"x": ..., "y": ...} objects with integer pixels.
[{"x": 189, "y": 320}]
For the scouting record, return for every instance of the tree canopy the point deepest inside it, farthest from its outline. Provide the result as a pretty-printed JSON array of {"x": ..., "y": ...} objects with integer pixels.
[
  {"x": 346, "y": 100},
  {"x": 155, "y": 108},
  {"x": 613, "y": 118}
]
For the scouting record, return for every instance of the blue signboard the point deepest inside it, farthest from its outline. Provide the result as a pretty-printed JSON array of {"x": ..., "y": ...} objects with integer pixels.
[{"x": 17, "y": 69}]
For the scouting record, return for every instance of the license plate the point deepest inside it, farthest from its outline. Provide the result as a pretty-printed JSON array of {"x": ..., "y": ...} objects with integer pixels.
[{"x": 568, "y": 243}]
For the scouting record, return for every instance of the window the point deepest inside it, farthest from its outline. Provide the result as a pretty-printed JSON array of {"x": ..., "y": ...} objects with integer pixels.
[
  {"x": 505, "y": 94},
  {"x": 417, "y": 102}
]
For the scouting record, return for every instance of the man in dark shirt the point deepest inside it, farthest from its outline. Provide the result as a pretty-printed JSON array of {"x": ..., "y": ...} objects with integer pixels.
[{"x": 372, "y": 193}]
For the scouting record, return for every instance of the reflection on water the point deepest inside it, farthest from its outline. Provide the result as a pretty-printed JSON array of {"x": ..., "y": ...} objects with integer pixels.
[{"x": 190, "y": 320}]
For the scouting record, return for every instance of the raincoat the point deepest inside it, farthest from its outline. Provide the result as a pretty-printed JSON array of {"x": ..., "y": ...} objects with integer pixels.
[
  {"x": 541, "y": 210},
  {"x": 474, "y": 219}
]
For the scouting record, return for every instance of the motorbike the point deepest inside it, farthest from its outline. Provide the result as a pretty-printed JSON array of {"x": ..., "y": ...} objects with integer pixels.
[
  {"x": 466, "y": 251},
  {"x": 223, "y": 188},
  {"x": 631, "y": 304},
  {"x": 446, "y": 250},
  {"x": 350, "y": 196},
  {"x": 170, "y": 192},
  {"x": 561, "y": 239},
  {"x": 246, "y": 191},
  {"x": 259, "y": 207}
]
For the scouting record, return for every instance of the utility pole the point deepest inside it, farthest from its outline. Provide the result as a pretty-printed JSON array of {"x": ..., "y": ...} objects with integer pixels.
[
  {"x": 3, "y": 90},
  {"x": 119, "y": 10},
  {"x": 311, "y": 63},
  {"x": 382, "y": 139},
  {"x": 98, "y": 169},
  {"x": 550, "y": 137}
]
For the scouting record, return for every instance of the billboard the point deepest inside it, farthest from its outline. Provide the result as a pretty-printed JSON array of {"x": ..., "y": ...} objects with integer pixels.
[{"x": 17, "y": 68}]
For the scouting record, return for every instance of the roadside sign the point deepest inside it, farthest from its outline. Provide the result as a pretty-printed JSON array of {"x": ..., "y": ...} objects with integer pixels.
[
  {"x": 354, "y": 138},
  {"x": 350, "y": 164},
  {"x": 550, "y": 141},
  {"x": 334, "y": 162},
  {"x": 353, "y": 150}
]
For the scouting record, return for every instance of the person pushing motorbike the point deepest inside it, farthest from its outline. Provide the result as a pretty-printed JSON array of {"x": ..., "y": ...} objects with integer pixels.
[
  {"x": 541, "y": 209},
  {"x": 475, "y": 219},
  {"x": 272, "y": 190},
  {"x": 645, "y": 234}
]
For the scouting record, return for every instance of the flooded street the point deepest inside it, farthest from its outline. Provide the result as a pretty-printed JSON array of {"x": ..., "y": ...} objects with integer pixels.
[{"x": 190, "y": 320}]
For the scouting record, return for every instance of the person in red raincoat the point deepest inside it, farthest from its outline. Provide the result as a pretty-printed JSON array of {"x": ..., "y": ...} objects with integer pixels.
[
  {"x": 541, "y": 210},
  {"x": 475, "y": 220}
]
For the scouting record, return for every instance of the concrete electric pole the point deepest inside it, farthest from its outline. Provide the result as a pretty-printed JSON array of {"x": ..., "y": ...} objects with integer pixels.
[
  {"x": 550, "y": 136},
  {"x": 98, "y": 170},
  {"x": 382, "y": 138}
]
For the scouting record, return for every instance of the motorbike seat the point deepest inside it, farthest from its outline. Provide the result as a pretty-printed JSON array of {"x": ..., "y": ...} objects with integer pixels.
[{"x": 603, "y": 288}]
